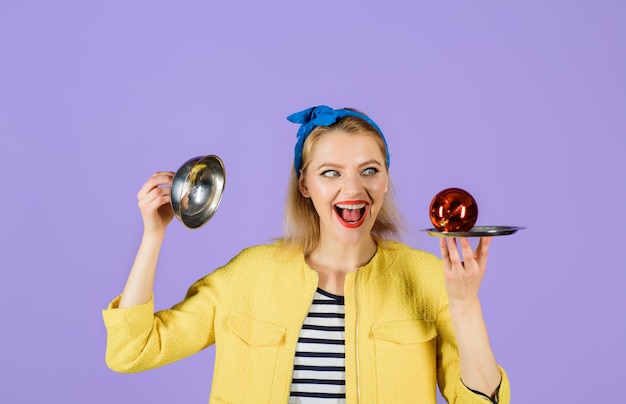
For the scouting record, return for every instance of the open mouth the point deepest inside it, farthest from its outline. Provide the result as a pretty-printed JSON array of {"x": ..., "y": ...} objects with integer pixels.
[{"x": 351, "y": 214}]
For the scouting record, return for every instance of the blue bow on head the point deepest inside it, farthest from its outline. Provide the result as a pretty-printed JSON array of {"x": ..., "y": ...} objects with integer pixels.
[{"x": 322, "y": 115}]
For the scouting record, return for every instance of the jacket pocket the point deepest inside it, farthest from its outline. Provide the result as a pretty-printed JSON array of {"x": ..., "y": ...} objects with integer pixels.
[
  {"x": 246, "y": 360},
  {"x": 255, "y": 332},
  {"x": 406, "y": 360}
]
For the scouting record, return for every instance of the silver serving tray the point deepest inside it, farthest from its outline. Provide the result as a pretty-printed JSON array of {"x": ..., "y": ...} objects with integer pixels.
[{"x": 476, "y": 231}]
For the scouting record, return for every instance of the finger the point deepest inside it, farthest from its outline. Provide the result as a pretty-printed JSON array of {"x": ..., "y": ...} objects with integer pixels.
[
  {"x": 445, "y": 255},
  {"x": 482, "y": 251},
  {"x": 483, "y": 247},
  {"x": 156, "y": 198},
  {"x": 453, "y": 252},
  {"x": 466, "y": 250},
  {"x": 160, "y": 178}
]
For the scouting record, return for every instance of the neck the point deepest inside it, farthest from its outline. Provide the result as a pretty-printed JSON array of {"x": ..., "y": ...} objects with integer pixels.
[{"x": 330, "y": 255}]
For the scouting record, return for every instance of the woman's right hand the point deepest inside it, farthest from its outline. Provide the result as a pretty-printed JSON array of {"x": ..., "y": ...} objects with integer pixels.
[{"x": 154, "y": 203}]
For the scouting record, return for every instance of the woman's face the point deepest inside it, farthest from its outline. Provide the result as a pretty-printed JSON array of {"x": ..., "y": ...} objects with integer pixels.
[{"x": 346, "y": 179}]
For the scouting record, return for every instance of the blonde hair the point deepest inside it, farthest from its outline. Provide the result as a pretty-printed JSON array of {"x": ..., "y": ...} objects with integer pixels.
[{"x": 302, "y": 223}]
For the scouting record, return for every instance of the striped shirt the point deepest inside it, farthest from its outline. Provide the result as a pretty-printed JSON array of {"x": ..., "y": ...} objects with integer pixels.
[{"x": 319, "y": 372}]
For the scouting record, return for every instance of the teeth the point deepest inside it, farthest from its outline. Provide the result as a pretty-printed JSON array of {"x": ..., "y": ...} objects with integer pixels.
[{"x": 345, "y": 206}]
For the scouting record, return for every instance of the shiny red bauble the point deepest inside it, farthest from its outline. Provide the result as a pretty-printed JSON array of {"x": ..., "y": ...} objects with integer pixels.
[{"x": 453, "y": 210}]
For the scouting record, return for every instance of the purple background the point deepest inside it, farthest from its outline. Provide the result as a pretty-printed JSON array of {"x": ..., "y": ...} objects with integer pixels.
[{"x": 523, "y": 104}]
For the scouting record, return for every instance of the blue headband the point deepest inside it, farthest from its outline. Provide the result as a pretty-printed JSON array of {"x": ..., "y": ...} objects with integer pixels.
[{"x": 322, "y": 115}]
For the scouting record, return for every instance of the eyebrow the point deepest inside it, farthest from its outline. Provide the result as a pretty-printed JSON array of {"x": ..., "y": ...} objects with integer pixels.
[{"x": 363, "y": 164}]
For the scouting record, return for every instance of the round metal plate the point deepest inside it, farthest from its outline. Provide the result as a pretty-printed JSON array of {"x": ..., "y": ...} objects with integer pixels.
[
  {"x": 197, "y": 190},
  {"x": 476, "y": 231}
]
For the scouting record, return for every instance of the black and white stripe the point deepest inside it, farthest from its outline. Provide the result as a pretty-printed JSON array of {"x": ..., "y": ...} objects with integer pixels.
[{"x": 319, "y": 374}]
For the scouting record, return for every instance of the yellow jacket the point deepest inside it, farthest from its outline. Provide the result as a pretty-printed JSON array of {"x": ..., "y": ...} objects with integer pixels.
[{"x": 399, "y": 336}]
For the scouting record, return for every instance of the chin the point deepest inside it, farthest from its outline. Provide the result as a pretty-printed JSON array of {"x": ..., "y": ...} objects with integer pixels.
[{"x": 354, "y": 236}]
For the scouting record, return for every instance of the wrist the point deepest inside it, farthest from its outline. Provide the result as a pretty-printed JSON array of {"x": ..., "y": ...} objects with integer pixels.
[
  {"x": 464, "y": 306},
  {"x": 153, "y": 237}
]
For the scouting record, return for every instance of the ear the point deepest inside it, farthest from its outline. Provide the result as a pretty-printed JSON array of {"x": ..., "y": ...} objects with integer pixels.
[{"x": 304, "y": 190}]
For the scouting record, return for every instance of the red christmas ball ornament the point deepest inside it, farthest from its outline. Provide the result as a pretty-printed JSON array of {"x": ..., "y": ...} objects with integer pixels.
[{"x": 453, "y": 210}]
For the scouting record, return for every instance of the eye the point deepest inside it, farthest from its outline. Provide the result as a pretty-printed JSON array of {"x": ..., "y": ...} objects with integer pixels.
[
  {"x": 370, "y": 171},
  {"x": 330, "y": 173}
]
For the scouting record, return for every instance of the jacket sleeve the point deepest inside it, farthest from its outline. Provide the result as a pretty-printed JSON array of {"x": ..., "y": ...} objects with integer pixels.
[
  {"x": 449, "y": 368},
  {"x": 139, "y": 339}
]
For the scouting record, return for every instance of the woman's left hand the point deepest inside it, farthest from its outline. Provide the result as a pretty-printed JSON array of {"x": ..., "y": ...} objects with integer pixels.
[{"x": 463, "y": 272}]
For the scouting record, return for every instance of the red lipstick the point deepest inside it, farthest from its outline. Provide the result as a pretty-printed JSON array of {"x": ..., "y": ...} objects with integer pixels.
[{"x": 351, "y": 214}]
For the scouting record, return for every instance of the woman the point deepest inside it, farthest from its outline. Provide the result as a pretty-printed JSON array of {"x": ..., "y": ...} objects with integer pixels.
[{"x": 335, "y": 312}]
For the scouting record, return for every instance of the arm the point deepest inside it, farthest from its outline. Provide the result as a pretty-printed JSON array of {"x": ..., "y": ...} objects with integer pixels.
[
  {"x": 137, "y": 338},
  {"x": 156, "y": 212},
  {"x": 479, "y": 369}
]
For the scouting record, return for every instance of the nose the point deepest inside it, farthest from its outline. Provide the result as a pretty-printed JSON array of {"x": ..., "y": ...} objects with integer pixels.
[{"x": 352, "y": 185}]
